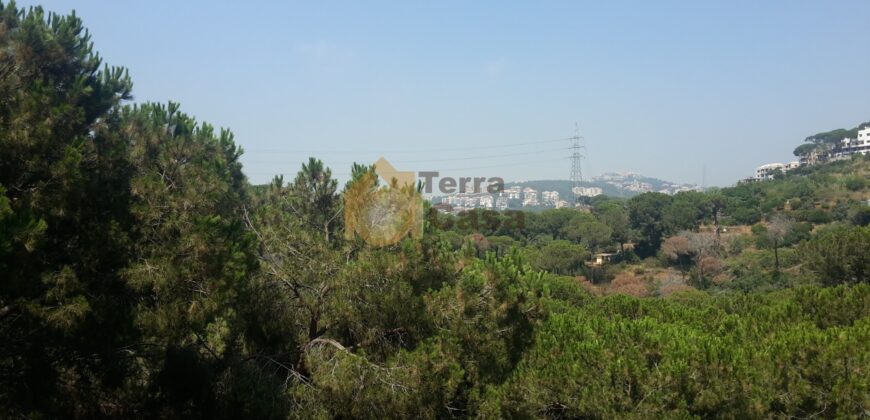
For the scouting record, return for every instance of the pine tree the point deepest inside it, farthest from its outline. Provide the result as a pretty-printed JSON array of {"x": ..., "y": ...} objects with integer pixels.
[
  {"x": 314, "y": 198},
  {"x": 63, "y": 217}
]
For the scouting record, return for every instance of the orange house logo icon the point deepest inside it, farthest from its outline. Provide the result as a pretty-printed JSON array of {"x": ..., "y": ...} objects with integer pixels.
[{"x": 383, "y": 216}]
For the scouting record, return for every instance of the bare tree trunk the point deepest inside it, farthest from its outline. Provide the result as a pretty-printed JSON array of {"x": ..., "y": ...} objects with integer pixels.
[{"x": 312, "y": 327}]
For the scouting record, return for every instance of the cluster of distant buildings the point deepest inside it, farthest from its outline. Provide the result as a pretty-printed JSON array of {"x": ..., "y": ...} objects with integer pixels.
[
  {"x": 626, "y": 182},
  {"x": 844, "y": 150},
  {"x": 635, "y": 183},
  {"x": 519, "y": 197},
  {"x": 512, "y": 197}
]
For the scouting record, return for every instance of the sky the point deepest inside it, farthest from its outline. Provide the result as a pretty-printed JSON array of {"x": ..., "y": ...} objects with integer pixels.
[{"x": 669, "y": 89}]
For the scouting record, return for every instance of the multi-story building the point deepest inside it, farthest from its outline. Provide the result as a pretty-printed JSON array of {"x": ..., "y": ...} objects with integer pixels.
[
  {"x": 465, "y": 201},
  {"x": 530, "y": 197},
  {"x": 512, "y": 193},
  {"x": 501, "y": 203},
  {"x": 765, "y": 172},
  {"x": 550, "y": 197},
  {"x": 857, "y": 145},
  {"x": 588, "y": 191}
]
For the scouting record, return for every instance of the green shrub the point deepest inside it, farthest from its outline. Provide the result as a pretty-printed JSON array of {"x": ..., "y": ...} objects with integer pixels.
[
  {"x": 789, "y": 353},
  {"x": 855, "y": 183},
  {"x": 838, "y": 255},
  {"x": 815, "y": 216}
]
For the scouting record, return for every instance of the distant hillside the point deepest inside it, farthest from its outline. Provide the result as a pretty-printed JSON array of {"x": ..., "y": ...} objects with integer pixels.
[
  {"x": 631, "y": 182},
  {"x": 612, "y": 184},
  {"x": 817, "y": 194}
]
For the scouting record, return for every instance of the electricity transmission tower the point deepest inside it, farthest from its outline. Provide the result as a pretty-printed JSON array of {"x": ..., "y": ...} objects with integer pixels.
[{"x": 576, "y": 172}]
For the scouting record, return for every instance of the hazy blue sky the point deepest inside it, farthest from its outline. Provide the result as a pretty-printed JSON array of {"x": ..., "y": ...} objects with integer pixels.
[{"x": 659, "y": 88}]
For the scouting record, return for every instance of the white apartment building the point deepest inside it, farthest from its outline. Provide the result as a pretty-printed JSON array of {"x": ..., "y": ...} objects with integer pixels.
[
  {"x": 550, "y": 197},
  {"x": 501, "y": 203},
  {"x": 530, "y": 197},
  {"x": 765, "y": 172},
  {"x": 469, "y": 200},
  {"x": 561, "y": 203},
  {"x": 858, "y": 145},
  {"x": 587, "y": 191},
  {"x": 512, "y": 193}
]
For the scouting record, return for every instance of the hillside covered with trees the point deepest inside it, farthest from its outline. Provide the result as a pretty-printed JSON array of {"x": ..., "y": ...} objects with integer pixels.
[
  {"x": 142, "y": 275},
  {"x": 828, "y": 142}
]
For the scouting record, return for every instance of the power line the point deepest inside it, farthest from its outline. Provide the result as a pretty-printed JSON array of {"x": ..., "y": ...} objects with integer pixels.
[
  {"x": 384, "y": 151},
  {"x": 402, "y": 161},
  {"x": 252, "y": 163},
  {"x": 497, "y": 166},
  {"x": 537, "y": 152},
  {"x": 438, "y": 169}
]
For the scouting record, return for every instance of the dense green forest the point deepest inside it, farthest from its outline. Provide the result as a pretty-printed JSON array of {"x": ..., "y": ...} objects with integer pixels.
[{"x": 142, "y": 275}]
